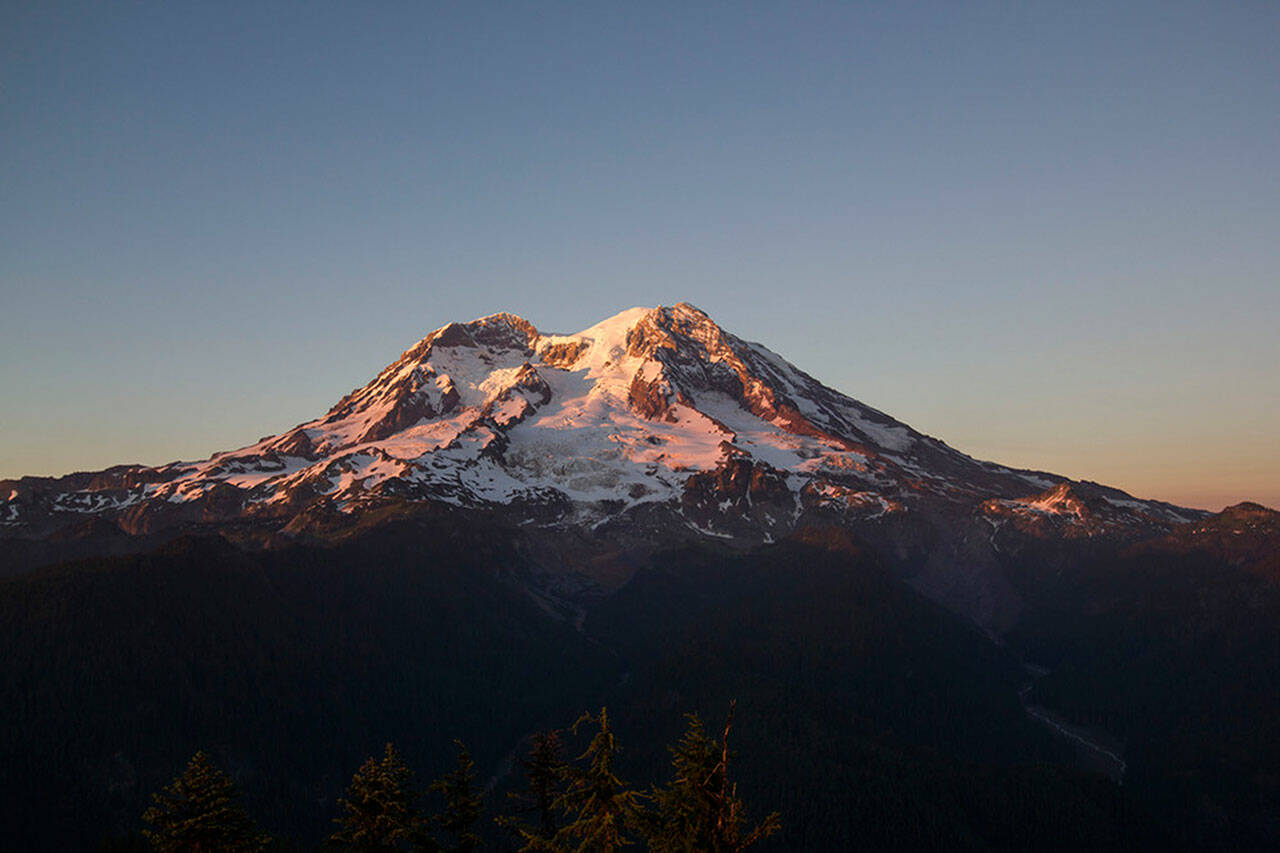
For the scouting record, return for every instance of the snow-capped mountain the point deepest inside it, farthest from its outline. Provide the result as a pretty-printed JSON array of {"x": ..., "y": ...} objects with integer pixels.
[{"x": 651, "y": 414}]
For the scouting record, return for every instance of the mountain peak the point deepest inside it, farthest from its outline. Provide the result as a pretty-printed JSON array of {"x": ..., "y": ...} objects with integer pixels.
[
  {"x": 501, "y": 330},
  {"x": 1250, "y": 509},
  {"x": 670, "y": 328},
  {"x": 637, "y": 331}
]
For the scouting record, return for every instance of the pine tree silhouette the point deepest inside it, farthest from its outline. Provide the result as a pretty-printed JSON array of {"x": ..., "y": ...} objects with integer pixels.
[
  {"x": 700, "y": 810},
  {"x": 200, "y": 811},
  {"x": 601, "y": 809},
  {"x": 462, "y": 803},
  {"x": 379, "y": 812},
  {"x": 544, "y": 773}
]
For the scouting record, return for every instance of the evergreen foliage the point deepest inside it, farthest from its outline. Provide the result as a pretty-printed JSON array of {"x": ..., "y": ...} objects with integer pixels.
[
  {"x": 379, "y": 812},
  {"x": 601, "y": 810},
  {"x": 700, "y": 810},
  {"x": 544, "y": 772},
  {"x": 462, "y": 803},
  {"x": 200, "y": 811}
]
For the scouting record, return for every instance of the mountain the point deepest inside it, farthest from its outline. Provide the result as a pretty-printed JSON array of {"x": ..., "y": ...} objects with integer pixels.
[
  {"x": 506, "y": 527},
  {"x": 650, "y": 429}
]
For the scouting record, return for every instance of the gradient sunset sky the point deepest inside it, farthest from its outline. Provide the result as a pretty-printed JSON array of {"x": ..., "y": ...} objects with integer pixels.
[{"x": 1047, "y": 233}]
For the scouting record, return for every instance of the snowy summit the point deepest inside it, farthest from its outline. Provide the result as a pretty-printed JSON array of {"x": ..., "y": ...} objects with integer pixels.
[{"x": 652, "y": 411}]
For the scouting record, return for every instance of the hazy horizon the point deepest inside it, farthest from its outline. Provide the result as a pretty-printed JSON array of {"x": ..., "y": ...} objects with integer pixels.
[{"x": 1045, "y": 236}]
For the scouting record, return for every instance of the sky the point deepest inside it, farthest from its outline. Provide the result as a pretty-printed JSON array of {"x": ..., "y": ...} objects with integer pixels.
[{"x": 1046, "y": 233}]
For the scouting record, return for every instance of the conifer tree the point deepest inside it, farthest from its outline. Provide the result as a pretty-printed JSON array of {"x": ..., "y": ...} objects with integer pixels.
[
  {"x": 379, "y": 812},
  {"x": 700, "y": 809},
  {"x": 462, "y": 803},
  {"x": 600, "y": 808},
  {"x": 200, "y": 811},
  {"x": 544, "y": 773}
]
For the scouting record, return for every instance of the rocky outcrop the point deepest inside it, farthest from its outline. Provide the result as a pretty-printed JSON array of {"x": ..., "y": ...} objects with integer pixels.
[{"x": 563, "y": 354}]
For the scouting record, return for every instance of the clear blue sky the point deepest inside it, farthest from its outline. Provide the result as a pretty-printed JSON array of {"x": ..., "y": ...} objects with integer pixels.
[{"x": 1048, "y": 233}]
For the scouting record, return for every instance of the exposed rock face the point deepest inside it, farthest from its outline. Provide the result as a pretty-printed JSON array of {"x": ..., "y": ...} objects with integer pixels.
[
  {"x": 741, "y": 497},
  {"x": 1081, "y": 509},
  {"x": 650, "y": 397},
  {"x": 563, "y": 354},
  {"x": 652, "y": 427}
]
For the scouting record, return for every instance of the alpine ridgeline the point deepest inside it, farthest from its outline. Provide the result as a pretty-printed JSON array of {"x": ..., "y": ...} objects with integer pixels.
[{"x": 650, "y": 428}]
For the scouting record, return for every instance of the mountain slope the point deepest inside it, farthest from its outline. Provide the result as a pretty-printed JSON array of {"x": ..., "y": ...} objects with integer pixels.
[
  {"x": 866, "y": 711},
  {"x": 290, "y": 666},
  {"x": 1171, "y": 646}
]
